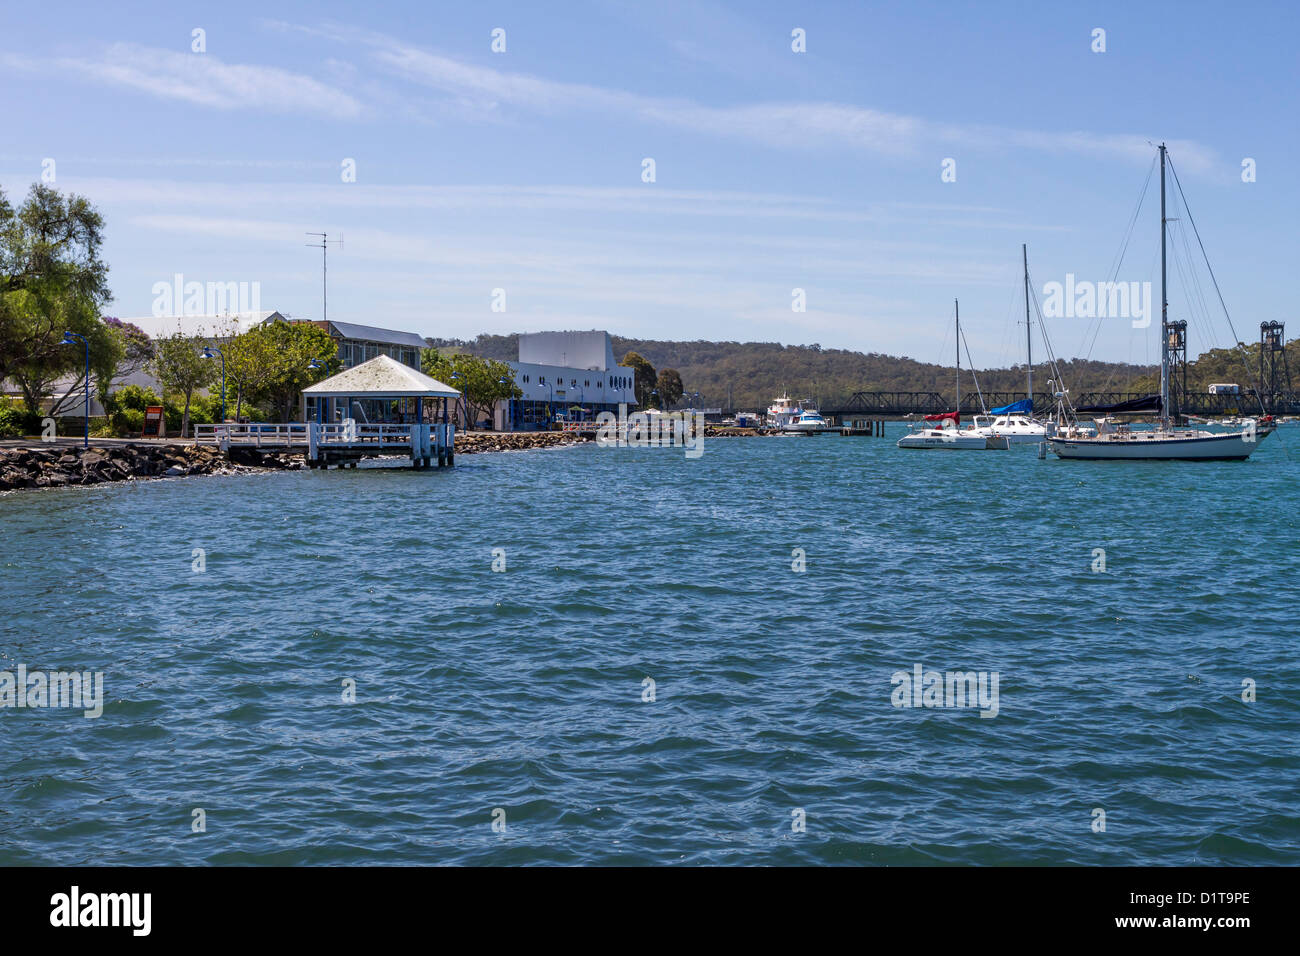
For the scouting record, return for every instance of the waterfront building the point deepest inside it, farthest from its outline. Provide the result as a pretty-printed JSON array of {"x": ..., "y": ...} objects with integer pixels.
[
  {"x": 361, "y": 343},
  {"x": 356, "y": 344},
  {"x": 565, "y": 375}
]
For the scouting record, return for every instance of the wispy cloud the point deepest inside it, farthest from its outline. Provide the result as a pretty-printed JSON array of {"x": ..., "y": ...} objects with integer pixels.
[
  {"x": 201, "y": 79},
  {"x": 520, "y": 202},
  {"x": 490, "y": 94}
]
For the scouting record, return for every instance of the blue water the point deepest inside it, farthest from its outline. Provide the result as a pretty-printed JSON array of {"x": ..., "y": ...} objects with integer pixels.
[{"x": 522, "y": 690}]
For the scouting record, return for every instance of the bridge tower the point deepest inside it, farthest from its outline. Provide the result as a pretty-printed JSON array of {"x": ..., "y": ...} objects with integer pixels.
[
  {"x": 1274, "y": 372},
  {"x": 1176, "y": 349}
]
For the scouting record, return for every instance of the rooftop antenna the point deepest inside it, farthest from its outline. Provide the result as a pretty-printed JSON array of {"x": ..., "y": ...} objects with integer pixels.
[{"x": 323, "y": 246}]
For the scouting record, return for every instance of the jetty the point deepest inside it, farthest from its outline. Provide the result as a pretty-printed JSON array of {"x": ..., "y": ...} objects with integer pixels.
[{"x": 343, "y": 433}]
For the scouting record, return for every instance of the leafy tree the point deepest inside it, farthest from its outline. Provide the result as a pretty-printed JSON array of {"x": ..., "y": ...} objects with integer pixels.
[
  {"x": 479, "y": 380},
  {"x": 645, "y": 377},
  {"x": 137, "y": 350},
  {"x": 52, "y": 280},
  {"x": 293, "y": 346},
  {"x": 179, "y": 365},
  {"x": 251, "y": 365},
  {"x": 670, "y": 387}
]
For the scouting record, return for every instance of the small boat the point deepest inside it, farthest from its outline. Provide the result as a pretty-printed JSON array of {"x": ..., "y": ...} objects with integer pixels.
[
  {"x": 947, "y": 436},
  {"x": 946, "y": 433},
  {"x": 809, "y": 421},
  {"x": 1016, "y": 422},
  {"x": 1016, "y": 429},
  {"x": 781, "y": 412}
]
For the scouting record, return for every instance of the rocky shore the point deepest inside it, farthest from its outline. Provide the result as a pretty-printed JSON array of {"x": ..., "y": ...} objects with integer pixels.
[
  {"x": 514, "y": 441},
  {"x": 56, "y": 467}
]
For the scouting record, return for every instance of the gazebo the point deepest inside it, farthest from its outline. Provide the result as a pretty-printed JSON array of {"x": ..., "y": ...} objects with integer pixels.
[{"x": 377, "y": 407}]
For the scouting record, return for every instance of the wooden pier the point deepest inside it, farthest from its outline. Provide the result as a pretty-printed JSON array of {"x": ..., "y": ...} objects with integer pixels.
[{"x": 339, "y": 445}]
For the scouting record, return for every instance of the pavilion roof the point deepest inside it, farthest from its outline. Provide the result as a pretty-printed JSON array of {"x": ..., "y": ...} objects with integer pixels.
[{"x": 381, "y": 377}]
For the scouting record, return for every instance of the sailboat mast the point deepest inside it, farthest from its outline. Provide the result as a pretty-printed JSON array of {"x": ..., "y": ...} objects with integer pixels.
[
  {"x": 957, "y": 315},
  {"x": 1029, "y": 337},
  {"x": 1164, "y": 303}
]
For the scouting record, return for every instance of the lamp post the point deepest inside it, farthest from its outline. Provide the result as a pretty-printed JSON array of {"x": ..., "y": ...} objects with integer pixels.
[
  {"x": 461, "y": 404},
  {"x": 207, "y": 354},
  {"x": 510, "y": 401},
  {"x": 582, "y": 400},
  {"x": 72, "y": 338},
  {"x": 316, "y": 365},
  {"x": 550, "y": 405}
]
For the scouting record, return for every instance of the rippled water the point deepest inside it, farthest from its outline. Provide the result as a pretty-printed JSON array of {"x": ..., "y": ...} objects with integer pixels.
[{"x": 523, "y": 690}]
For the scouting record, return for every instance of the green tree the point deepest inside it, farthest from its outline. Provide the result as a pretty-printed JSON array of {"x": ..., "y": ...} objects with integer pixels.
[
  {"x": 293, "y": 347},
  {"x": 670, "y": 387},
  {"x": 645, "y": 377},
  {"x": 179, "y": 365},
  {"x": 479, "y": 380},
  {"x": 251, "y": 365},
  {"x": 52, "y": 280}
]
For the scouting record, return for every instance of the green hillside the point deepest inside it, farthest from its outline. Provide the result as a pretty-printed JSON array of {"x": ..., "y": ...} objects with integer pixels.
[{"x": 755, "y": 372}]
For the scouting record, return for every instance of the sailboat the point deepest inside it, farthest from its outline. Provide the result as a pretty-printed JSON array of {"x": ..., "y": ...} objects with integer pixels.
[
  {"x": 1166, "y": 441},
  {"x": 946, "y": 432},
  {"x": 1015, "y": 422}
]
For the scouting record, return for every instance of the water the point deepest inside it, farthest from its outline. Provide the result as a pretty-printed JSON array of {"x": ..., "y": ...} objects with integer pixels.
[{"x": 523, "y": 690}]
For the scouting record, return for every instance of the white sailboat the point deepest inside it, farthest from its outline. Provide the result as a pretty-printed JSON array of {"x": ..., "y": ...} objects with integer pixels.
[
  {"x": 1165, "y": 442},
  {"x": 945, "y": 434},
  {"x": 1015, "y": 422}
]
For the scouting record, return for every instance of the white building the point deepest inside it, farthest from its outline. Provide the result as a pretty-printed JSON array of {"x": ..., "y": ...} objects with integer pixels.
[{"x": 565, "y": 375}]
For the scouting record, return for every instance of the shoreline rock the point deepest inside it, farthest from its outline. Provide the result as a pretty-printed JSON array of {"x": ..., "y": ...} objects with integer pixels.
[
  {"x": 37, "y": 466},
  {"x": 515, "y": 441},
  {"x": 62, "y": 466}
]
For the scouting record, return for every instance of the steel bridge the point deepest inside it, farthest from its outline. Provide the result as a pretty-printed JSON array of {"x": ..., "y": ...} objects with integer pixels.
[{"x": 866, "y": 404}]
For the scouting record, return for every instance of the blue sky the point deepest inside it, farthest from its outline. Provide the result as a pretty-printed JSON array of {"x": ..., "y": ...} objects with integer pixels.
[{"x": 775, "y": 170}]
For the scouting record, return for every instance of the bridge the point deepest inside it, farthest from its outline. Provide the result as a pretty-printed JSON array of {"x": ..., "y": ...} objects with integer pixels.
[{"x": 865, "y": 404}]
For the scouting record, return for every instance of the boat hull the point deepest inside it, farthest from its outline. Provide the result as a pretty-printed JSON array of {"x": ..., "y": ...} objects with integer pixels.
[
  {"x": 956, "y": 443},
  {"x": 1138, "y": 447}
]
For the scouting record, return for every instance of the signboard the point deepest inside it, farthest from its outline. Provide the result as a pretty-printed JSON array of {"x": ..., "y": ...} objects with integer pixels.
[{"x": 153, "y": 423}]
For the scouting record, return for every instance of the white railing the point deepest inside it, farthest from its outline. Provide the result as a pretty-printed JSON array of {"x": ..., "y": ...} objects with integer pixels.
[
  {"x": 423, "y": 440},
  {"x": 256, "y": 434},
  {"x": 424, "y": 436}
]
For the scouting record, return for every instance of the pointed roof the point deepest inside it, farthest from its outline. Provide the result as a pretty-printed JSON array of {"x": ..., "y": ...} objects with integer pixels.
[{"x": 381, "y": 377}]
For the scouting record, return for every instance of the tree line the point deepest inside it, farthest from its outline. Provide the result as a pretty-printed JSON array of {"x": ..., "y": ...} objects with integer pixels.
[{"x": 52, "y": 281}]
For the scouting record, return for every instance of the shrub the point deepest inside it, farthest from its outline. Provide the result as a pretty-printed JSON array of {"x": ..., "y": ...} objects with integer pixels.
[
  {"x": 15, "y": 421},
  {"x": 136, "y": 397}
]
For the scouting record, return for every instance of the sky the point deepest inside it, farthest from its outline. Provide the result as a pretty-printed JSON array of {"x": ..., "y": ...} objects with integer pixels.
[{"x": 515, "y": 179}]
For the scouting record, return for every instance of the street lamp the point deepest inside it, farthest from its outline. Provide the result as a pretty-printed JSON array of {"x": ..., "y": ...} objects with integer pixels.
[
  {"x": 316, "y": 365},
  {"x": 207, "y": 354},
  {"x": 510, "y": 402},
  {"x": 455, "y": 377},
  {"x": 582, "y": 400},
  {"x": 72, "y": 338}
]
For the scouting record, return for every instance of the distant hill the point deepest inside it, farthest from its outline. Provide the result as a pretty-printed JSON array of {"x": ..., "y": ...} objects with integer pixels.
[{"x": 755, "y": 372}]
